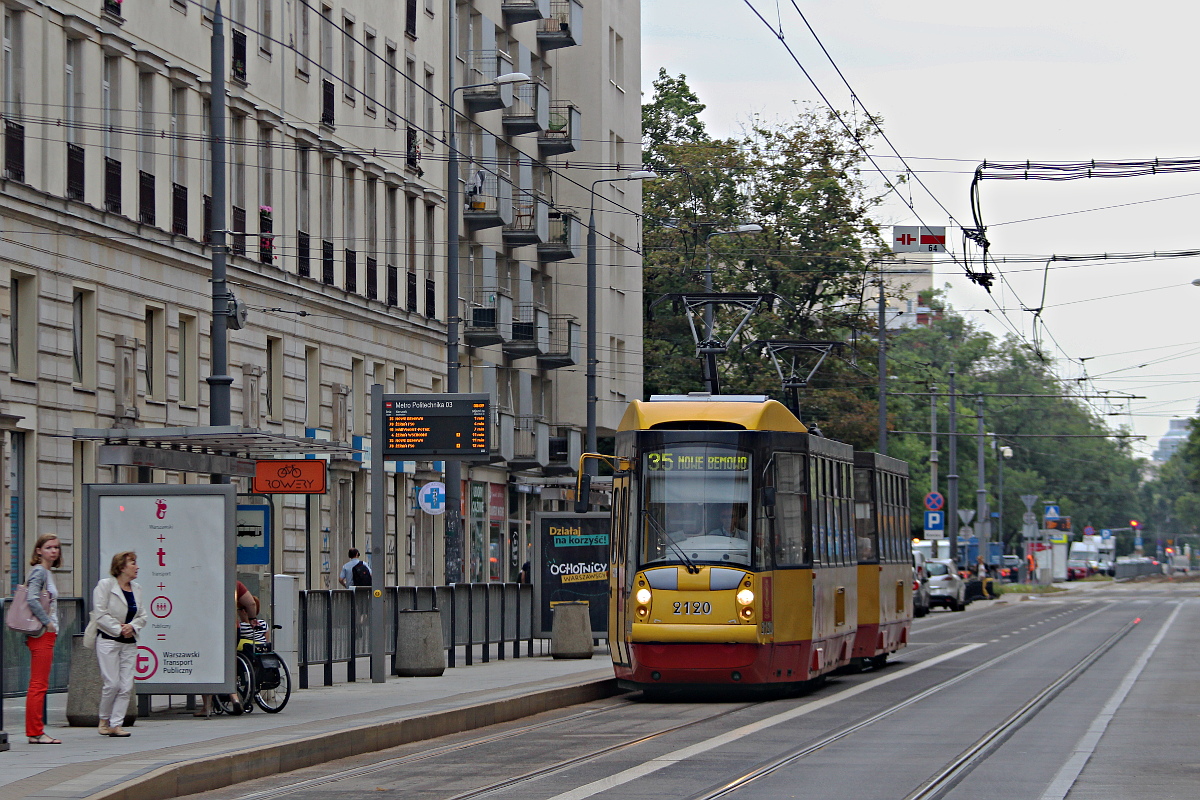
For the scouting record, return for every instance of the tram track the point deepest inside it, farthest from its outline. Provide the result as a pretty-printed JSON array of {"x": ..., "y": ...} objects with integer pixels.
[{"x": 873, "y": 678}]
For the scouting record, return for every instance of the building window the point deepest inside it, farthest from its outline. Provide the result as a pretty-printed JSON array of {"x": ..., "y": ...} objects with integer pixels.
[
  {"x": 303, "y": 218},
  {"x": 178, "y": 123},
  {"x": 410, "y": 91},
  {"x": 22, "y": 324},
  {"x": 156, "y": 353},
  {"x": 72, "y": 89},
  {"x": 392, "y": 243},
  {"x": 83, "y": 338},
  {"x": 349, "y": 66},
  {"x": 265, "y": 23},
  {"x": 14, "y": 65},
  {"x": 312, "y": 387},
  {"x": 237, "y": 184},
  {"x": 189, "y": 359},
  {"x": 327, "y": 220},
  {"x": 390, "y": 82},
  {"x": 303, "y": 36},
  {"x": 145, "y": 121},
  {"x": 274, "y": 378},
  {"x": 431, "y": 105},
  {"x": 616, "y": 59},
  {"x": 370, "y": 213},
  {"x": 266, "y": 195},
  {"x": 349, "y": 230},
  {"x": 359, "y": 396},
  {"x": 369, "y": 73},
  {"x": 110, "y": 100},
  {"x": 410, "y": 19},
  {"x": 430, "y": 251}
]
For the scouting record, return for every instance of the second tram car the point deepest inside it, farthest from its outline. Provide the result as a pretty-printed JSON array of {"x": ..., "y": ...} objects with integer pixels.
[
  {"x": 885, "y": 575},
  {"x": 735, "y": 556}
]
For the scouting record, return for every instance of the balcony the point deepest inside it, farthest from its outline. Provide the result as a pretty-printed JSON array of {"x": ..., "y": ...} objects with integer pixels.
[
  {"x": 266, "y": 235},
  {"x": 410, "y": 292},
  {"x": 392, "y": 295},
  {"x": 563, "y": 242},
  {"x": 531, "y": 222},
  {"x": 487, "y": 201},
  {"x": 350, "y": 273},
  {"x": 112, "y": 185},
  {"x": 179, "y": 210},
  {"x": 488, "y": 319},
  {"x": 562, "y": 131},
  {"x": 483, "y": 67},
  {"x": 505, "y": 428},
  {"x": 237, "y": 238},
  {"x": 566, "y": 446},
  {"x": 564, "y": 26},
  {"x": 531, "y": 443},
  {"x": 14, "y": 151},
  {"x": 524, "y": 10},
  {"x": 75, "y": 172},
  {"x": 146, "y": 198},
  {"x": 430, "y": 298},
  {"x": 412, "y": 151},
  {"x": 565, "y": 348},
  {"x": 327, "y": 262},
  {"x": 530, "y": 332},
  {"x": 372, "y": 279},
  {"x": 530, "y": 109}
]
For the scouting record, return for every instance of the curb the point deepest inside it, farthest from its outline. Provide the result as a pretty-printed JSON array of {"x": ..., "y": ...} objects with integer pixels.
[{"x": 225, "y": 769}]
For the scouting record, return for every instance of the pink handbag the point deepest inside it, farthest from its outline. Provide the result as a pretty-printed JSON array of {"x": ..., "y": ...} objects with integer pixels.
[{"x": 20, "y": 617}]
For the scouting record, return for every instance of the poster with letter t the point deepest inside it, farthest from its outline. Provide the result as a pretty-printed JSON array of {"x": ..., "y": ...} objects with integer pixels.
[{"x": 184, "y": 538}]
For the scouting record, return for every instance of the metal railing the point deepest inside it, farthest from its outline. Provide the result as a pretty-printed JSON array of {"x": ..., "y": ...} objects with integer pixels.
[
  {"x": 14, "y": 655},
  {"x": 1134, "y": 569},
  {"x": 334, "y": 629}
]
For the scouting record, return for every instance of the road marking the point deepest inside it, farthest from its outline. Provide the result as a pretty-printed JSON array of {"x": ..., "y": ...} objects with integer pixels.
[
  {"x": 1069, "y": 773},
  {"x": 663, "y": 761}
]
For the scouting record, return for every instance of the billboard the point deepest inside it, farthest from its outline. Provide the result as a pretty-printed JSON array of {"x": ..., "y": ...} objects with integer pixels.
[
  {"x": 571, "y": 562},
  {"x": 184, "y": 537}
]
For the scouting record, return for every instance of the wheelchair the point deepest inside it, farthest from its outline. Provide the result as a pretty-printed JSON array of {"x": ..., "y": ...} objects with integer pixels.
[{"x": 261, "y": 678}]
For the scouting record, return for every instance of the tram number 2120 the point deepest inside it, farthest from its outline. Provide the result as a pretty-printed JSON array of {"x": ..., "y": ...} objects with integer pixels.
[{"x": 694, "y": 607}]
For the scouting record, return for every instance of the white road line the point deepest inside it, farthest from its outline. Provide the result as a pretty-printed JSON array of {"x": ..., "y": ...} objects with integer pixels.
[
  {"x": 1069, "y": 773},
  {"x": 663, "y": 761}
]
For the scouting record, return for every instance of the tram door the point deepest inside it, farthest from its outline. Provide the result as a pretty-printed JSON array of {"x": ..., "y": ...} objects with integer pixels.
[{"x": 621, "y": 570}]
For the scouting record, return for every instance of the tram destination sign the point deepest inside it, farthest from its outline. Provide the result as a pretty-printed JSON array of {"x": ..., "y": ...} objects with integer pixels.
[{"x": 432, "y": 425}]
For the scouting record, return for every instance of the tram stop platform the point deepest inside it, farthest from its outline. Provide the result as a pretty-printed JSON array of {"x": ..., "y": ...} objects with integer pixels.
[{"x": 172, "y": 753}]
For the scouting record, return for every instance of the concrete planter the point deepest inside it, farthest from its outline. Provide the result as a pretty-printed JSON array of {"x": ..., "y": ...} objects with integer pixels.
[
  {"x": 420, "y": 650},
  {"x": 571, "y": 631}
]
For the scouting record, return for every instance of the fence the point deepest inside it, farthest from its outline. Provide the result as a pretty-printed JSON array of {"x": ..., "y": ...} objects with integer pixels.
[
  {"x": 333, "y": 622},
  {"x": 14, "y": 656},
  {"x": 1134, "y": 569}
]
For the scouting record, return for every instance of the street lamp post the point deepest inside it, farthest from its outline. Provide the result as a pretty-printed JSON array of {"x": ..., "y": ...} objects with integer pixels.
[
  {"x": 453, "y": 558},
  {"x": 1002, "y": 454},
  {"x": 710, "y": 355},
  {"x": 639, "y": 175}
]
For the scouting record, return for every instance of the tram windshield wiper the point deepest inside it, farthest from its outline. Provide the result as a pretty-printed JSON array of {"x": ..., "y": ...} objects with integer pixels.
[{"x": 688, "y": 565}]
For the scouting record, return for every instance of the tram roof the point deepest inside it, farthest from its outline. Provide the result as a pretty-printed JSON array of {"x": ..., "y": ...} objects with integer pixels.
[{"x": 750, "y": 412}]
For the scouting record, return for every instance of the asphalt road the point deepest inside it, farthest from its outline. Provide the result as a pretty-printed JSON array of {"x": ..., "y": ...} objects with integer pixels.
[{"x": 1122, "y": 724}]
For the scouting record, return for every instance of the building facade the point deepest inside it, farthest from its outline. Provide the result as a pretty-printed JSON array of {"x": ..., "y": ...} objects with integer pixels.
[{"x": 337, "y": 186}]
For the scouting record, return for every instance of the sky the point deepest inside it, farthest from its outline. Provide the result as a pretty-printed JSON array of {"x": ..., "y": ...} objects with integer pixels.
[{"x": 960, "y": 83}]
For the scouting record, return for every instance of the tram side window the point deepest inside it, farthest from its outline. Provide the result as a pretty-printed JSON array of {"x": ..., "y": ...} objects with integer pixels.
[
  {"x": 887, "y": 509},
  {"x": 791, "y": 519},
  {"x": 864, "y": 518},
  {"x": 846, "y": 503},
  {"x": 815, "y": 511}
]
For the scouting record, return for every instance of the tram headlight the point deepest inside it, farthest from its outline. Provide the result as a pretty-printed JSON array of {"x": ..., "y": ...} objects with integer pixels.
[
  {"x": 745, "y": 597},
  {"x": 642, "y": 596}
]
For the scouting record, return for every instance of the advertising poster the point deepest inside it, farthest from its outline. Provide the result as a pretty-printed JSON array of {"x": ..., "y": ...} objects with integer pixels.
[
  {"x": 571, "y": 562},
  {"x": 184, "y": 540}
]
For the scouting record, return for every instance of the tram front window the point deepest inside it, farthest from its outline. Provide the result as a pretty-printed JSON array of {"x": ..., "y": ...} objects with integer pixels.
[{"x": 696, "y": 506}]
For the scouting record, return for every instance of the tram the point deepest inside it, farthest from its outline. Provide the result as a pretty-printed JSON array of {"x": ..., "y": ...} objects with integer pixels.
[
  {"x": 885, "y": 575},
  {"x": 734, "y": 549}
]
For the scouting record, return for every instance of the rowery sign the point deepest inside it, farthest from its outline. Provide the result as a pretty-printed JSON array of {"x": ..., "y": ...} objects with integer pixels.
[{"x": 289, "y": 476}]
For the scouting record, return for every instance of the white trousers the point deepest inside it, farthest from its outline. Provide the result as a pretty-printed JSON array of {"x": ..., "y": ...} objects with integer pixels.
[{"x": 116, "y": 668}]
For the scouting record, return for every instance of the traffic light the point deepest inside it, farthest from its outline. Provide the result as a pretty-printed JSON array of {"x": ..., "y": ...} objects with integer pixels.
[{"x": 1133, "y": 523}]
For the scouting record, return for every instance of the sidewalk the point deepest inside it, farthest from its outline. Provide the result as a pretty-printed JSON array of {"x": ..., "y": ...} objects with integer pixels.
[{"x": 173, "y": 753}]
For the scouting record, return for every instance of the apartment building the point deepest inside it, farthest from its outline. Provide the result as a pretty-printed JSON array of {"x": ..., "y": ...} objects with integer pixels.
[{"x": 337, "y": 234}]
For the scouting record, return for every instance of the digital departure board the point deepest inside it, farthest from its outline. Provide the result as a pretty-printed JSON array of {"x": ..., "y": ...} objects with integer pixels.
[{"x": 435, "y": 425}]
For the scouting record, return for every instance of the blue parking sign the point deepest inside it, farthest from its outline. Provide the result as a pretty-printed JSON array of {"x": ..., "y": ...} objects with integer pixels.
[{"x": 935, "y": 520}]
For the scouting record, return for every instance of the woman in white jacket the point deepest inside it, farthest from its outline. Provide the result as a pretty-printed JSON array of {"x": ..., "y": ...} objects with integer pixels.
[{"x": 119, "y": 614}]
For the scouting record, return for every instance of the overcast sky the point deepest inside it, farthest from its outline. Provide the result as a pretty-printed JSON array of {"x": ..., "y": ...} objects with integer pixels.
[
  {"x": 960, "y": 83},
  {"x": 957, "y": 83}
]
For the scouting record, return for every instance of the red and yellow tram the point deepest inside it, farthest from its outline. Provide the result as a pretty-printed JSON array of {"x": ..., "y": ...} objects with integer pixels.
[{"x": 734, "y": 547}]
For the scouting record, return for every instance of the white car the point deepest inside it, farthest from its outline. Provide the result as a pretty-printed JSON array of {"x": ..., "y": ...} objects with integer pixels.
[{"x": 946, "y": 588}]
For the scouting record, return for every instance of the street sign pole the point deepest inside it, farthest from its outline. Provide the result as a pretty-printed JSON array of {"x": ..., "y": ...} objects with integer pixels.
[{"x": 378, "y": 522}]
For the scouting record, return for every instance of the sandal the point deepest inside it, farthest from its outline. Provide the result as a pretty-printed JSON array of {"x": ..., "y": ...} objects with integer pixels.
[{"x": 44, "y": 739}]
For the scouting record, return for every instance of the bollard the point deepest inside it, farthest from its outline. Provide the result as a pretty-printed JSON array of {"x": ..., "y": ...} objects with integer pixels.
[
  {"x": 420, "y": 652},
  {"x": 571, "y": 632},
  {"x": 83, "y": 689}
]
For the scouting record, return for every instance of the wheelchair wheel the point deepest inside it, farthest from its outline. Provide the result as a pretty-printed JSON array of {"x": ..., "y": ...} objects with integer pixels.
[
  {"x": 273, "y": 700},
  {"x": 243, "y": 684}
]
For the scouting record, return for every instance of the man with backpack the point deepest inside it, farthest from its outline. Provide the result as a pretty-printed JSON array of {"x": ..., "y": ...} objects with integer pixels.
[{"x": 355, "y": 572}]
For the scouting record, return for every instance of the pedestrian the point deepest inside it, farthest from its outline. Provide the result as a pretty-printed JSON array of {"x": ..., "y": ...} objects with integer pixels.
[
  {"x": 525, "y": 575},
  {"x": 355, "y": 572},
  {"x": 119, "y": 614},
  {"x": 47, "y": 554}
]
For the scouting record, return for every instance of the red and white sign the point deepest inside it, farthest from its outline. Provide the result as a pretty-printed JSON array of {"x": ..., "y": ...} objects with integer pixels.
[{"x": 915, "y": 239}]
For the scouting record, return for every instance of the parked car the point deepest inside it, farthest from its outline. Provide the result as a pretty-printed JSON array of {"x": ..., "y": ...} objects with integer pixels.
[
  {"x": 1013, "y": 565},
  {"x": 946, "y": 588},
  {"x": 1077, "y": 570},
  {"x": 920, "y": 585}
]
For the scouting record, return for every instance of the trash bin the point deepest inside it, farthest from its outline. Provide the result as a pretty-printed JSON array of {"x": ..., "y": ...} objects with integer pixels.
[
  {"x": 571, "y": 630},
  {"x": 420, "y": 649}
]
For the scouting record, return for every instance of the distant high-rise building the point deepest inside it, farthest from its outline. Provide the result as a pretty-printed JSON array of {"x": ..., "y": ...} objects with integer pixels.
[{"x": 1176, "y": 435}]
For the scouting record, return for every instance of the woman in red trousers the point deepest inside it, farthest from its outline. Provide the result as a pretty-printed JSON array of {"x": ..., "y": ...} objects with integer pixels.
[{"x": 47, "y": 553}]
